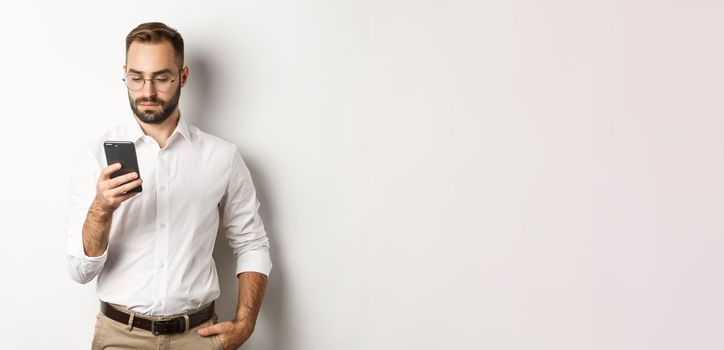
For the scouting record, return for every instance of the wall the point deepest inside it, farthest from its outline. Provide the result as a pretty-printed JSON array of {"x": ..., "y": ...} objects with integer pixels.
[{"x": 432, "y": 175}]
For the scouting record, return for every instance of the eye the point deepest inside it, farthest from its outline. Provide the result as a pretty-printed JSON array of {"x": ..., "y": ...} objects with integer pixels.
[
  {"x": 135, "y": 79},
  {"x": 162, "y": 79}
]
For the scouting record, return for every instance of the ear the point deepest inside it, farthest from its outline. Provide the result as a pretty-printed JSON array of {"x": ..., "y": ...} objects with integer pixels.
[
  {"x": 124, "y": 68},
  {"x": 184, "y": 75}
]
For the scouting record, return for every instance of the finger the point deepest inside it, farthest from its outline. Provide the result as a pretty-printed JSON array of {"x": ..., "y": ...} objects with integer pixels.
[
  {"x": 128, "y": 195},
  {"x": 107, "y": 171},
  {"x": 120, "y": 180},
  {"x": 121, "y": 190},
  {"x": 124, "y": 197},
  {"x": 211, "y": 330}
]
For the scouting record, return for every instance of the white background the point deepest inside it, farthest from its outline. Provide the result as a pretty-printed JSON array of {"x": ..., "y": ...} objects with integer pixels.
[{"x": 433, "y": 175}]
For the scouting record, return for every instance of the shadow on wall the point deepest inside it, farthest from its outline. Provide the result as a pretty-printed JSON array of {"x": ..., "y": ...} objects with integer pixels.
[{"x": 271, "y": 328}]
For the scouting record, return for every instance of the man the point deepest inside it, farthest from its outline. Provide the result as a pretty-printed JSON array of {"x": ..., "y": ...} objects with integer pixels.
[{"x": 152, "y": 251}]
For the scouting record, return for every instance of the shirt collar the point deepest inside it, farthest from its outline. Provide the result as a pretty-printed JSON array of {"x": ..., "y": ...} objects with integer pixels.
[{"x": 134, "y": 132}]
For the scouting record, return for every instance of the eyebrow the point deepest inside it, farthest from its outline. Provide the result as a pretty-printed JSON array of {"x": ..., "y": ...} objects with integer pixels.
[{"x": 162, "y": 71}]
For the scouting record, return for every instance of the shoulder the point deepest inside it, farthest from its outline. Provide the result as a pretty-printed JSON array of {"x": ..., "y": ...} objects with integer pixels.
[
  {"x": 224, "y": 153},
  {"x": 210, "y": 143}
]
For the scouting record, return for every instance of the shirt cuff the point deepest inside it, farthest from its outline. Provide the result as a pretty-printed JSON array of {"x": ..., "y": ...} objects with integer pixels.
[{"x": 256, "y": 261}]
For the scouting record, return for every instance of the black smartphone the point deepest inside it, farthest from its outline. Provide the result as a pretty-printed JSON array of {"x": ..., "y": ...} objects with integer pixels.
[{"x": 123, "y": 152}]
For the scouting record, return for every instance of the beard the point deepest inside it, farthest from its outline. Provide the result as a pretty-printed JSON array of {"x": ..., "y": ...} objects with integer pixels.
[{"x": 153, "y": 116}]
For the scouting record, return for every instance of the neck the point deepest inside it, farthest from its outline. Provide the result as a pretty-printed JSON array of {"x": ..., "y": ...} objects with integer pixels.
[{"x": 161, "y": 132}]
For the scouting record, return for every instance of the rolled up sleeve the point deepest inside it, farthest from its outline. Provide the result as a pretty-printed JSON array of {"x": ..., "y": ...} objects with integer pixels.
[
  {"x": 85, "y": 171},
  {"x": 240, "y": 220}
]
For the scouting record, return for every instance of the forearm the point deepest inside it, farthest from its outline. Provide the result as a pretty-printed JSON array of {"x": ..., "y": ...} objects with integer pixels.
[
  {"x": 252, "y": 286},
  {"x": 96, "y": 229}
]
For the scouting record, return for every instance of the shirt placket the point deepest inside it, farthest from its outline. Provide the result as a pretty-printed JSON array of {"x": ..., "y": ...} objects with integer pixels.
[{"x": 162, "y": 229}]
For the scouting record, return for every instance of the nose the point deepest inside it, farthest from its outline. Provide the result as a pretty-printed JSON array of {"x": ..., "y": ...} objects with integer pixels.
[{"x": 148, "y": 89}]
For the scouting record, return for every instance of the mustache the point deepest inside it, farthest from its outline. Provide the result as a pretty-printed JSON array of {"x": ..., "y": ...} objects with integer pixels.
[{"x": 149, "y": 100}]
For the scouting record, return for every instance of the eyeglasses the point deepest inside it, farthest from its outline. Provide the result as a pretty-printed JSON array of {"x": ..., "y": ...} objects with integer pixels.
[{"x": 135, "y": 82}]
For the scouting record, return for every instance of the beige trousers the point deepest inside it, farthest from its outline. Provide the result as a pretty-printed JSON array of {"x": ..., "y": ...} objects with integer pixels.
[{"x": 112, "y": 335}]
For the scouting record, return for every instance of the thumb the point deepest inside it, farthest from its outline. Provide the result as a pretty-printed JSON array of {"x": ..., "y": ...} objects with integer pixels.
[{"x": 211, "y": 330}]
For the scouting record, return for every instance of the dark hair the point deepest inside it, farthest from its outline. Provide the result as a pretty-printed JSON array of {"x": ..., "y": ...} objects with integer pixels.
[{"x": 156, "y": 32}]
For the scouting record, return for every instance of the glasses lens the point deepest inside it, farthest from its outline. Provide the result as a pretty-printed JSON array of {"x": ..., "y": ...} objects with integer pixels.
[
  {"x": 134, "y": 82},
  {"x": 162, "y": 83}
]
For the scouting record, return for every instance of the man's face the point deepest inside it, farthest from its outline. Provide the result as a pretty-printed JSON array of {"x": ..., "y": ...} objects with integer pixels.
[{"x": 154, "y": 60}]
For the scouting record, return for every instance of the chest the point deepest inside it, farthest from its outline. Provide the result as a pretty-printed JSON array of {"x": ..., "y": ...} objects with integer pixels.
[{"x": 183, "y": 174}]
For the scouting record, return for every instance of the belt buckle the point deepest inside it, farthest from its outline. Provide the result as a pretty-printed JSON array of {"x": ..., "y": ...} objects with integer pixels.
[{"x": 163, "y": 322}]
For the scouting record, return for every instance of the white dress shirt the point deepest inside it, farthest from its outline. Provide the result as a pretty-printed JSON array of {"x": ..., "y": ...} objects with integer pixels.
[{"x": 159, "y": 256}]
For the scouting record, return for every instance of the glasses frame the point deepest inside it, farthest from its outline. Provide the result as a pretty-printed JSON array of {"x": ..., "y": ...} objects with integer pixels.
[{"x": 153, "y": 83}]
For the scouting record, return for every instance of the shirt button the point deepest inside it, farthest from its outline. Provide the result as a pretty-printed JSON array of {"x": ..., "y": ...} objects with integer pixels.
[
  {"x": 160, "y": 265},
  {"x": 163, "y": 226},
  {"x": 163, "y": 188}
]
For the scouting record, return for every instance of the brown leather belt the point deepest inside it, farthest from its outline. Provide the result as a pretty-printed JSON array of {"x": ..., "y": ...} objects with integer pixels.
[{"x": 170, "y": 326}]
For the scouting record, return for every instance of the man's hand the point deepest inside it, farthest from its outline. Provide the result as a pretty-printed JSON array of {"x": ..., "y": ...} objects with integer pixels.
[
  {"x": 231, "y": 334},
  {"x": 251, "y": 292},
  {"x": 110, "y": 193}
]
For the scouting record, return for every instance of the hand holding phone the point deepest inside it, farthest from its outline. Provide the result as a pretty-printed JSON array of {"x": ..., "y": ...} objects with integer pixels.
[
  {"x": 120, "y": 180},
  {"x": 123, "y": 152},
  {"x": 111, "y": 192}
]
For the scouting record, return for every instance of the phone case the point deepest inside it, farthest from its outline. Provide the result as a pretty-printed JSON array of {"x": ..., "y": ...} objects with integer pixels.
[{"x": 123, "y": 152}]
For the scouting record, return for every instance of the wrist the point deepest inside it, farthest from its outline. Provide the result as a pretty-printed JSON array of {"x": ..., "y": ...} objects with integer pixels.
[
  {"x": 101, "y": 211},
  {"x": 244, "y": 322}
]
